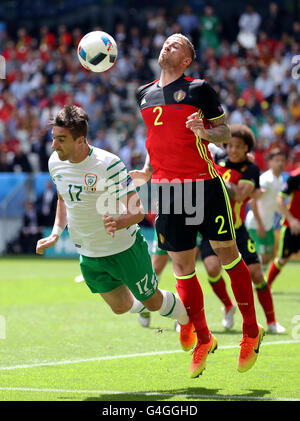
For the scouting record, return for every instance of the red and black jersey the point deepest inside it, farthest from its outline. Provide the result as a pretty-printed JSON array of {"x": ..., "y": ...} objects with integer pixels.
[
  {"x": 175, "y": 152},
  {"x": 292, "y": 189},
  {"x": 233, "y": 173}
]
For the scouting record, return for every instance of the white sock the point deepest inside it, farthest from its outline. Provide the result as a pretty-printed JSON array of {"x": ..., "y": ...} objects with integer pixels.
[
  {"x": 137, "y": 306},
  {"x": 264, "y": 266},
  {"x": 173, "y": 308}
]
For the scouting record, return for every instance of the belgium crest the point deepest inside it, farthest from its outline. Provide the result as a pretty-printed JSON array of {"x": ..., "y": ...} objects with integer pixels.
[{"x": 179, "y": 95}]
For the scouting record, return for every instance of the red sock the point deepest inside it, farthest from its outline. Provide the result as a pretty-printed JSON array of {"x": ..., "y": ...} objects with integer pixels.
[
  {"x": 242, "y": 289},
  {"x": 265, "y": 298},
  {"x": 274, "y": 270},
  {"x": 191, "y": 295},
  {"x": 219, "y": 287}
]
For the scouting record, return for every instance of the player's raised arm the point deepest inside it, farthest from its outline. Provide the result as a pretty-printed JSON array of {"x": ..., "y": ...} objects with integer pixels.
[
  {"x": 58, "y": 227},
  {"x": 210, "y": 111},
  {"x": 218, "y": 133},
  {"x": 133, "y": 213},
  {"x": 141, "y": 177},
  {"x": 241, "y": 191}
]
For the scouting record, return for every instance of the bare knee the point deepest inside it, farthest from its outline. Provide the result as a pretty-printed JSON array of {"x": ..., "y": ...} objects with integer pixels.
[
  {"x": 183, "y": 267},
  {"x": 180, "y": 268},
  {"x": 212, "y": 266},
  {"x": 226, "y": 251},
  {"x": 154, "y": 303},
  {"x": 282, "y": 261},
  {"x": 151, "y": 306},
  {"x": 119, "y": 300},
  {"x": 120, "y": 309},
  {"x": 183, "y": 262},
  {"x": 266, "y": 258},
  {"x": 256, "y": 274},
  {"x": 159, "y": 262}
]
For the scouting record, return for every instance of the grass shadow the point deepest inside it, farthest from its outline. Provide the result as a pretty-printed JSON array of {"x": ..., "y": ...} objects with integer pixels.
[{"x": 189, "y": 394}]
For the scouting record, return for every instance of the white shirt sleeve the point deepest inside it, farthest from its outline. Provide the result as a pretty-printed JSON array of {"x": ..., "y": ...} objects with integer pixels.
[{"x": 118, "y": 181}]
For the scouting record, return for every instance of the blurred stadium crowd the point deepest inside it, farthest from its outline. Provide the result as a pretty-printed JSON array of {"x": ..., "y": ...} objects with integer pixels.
[{"x": 255, "y": 75}]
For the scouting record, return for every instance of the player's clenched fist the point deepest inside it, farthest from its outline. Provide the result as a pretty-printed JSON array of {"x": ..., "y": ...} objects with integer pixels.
[
  {"x": 140, "y": 177},
  {"x": 195, "y": 123},
  {"x": 46, "y": 243},
  {"x": 110, "y": 224}
]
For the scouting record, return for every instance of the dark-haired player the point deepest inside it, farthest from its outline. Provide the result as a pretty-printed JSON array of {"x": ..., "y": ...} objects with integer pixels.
[
  {"x": 183, "y": 115},
  {"x": 242, "y": 178},
  {"x": 91, "y": 183},
  {"x": 290, "y": 232}
]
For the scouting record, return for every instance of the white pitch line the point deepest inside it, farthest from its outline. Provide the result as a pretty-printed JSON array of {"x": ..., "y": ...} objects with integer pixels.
[
  {"x": 116, "y": 357},
  {"x": 165, "y": 395}
]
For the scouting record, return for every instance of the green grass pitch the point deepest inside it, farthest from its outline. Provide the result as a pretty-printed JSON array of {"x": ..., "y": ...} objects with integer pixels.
[{"x": 59, "y": 342}]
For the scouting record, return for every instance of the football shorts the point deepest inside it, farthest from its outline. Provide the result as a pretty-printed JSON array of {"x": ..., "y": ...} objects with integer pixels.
[
  {"x": 264, "y": 245},
  {"x": 186, "y": 209},
  {"x": 288, "y": 243},
  {"x": 131, "y": 267},
  {"x": 244, "y": 243}
]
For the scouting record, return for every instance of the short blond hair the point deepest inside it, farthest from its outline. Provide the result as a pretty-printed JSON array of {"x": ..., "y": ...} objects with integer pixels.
[{"x": 188, "y": 44}]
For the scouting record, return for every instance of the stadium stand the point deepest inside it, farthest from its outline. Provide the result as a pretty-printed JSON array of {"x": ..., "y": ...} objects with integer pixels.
[{"x": 249, "y": 53}]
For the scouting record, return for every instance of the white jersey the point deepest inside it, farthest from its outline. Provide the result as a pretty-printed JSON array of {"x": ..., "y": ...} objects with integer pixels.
[
  {"x": 266, "y": 204},
  {"x": 89, "y": 189}
]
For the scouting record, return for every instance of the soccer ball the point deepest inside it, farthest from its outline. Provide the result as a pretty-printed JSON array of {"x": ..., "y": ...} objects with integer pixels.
[{"x": 97, "y": 51}]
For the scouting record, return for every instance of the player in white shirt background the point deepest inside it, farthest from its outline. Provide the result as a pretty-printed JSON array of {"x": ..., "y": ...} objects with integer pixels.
[
  {"x": 99, "y": 203},
  {"x": 260, "y": 218}
]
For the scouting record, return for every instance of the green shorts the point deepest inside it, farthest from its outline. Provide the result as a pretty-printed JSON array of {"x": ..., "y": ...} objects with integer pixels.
[
  {"x": 264, "y": 245},
  {"x": 131, "y": 267}
]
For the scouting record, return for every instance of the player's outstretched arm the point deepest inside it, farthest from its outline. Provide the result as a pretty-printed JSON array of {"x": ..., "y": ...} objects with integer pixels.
[
  {"x": 243, "y": 191},
  {"x": 59, "y": 225},
  {"x": 133, "y": 213},
  {"x": 141, "y": 177}
]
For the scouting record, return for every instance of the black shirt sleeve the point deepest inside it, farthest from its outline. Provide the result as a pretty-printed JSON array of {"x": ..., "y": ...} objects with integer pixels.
[
  {"x": 289, "y": 186},
  {"x": 208, "y": 102},
  {"x": 252, "y": 174}
]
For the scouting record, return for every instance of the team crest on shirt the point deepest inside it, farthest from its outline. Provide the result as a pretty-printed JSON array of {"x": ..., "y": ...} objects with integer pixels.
[
  {"x": 179, "y": 95},
  {"x": 90, "y": 181}
]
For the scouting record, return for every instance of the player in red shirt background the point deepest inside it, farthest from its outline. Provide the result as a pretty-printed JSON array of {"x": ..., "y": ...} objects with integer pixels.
[
  {"x": 242, "y": 179},
  {"x": 289, "y": 242}
]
